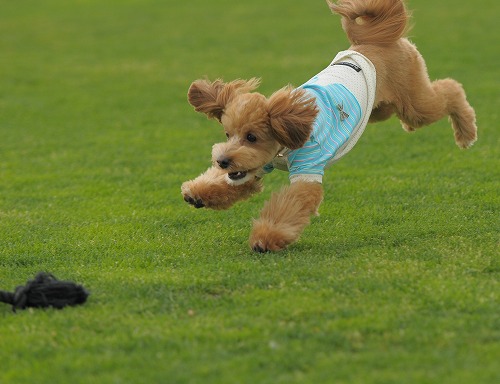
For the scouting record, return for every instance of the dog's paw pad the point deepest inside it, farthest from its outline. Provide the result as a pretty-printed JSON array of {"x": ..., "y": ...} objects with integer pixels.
[
  {"x": 269, "y": 244},
  {"x": 259, "y": 248},
  {"x": 198, "y": 203}
]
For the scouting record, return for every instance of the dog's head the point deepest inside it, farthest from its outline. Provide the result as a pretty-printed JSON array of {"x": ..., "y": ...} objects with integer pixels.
[{"x": 256, "y": 127}]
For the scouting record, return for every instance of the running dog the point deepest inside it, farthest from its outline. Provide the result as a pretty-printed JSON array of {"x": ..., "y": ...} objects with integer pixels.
[{"x": 304, "y": 130}]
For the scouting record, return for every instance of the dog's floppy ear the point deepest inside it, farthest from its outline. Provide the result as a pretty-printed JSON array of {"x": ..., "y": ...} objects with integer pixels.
[
  {"x": 291, "y": 115},
  {"x": 211, "y": 98}
]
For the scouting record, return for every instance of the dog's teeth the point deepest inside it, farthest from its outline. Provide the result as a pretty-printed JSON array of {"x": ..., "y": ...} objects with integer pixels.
[{"x": 237, "y": 175}]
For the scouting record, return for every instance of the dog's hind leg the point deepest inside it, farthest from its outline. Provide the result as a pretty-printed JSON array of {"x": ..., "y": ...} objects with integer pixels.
[
  {"x": 212, "y": 190},
  {"x": 285, "y": 216},
  {"x": 442, "y": 98},
  {"x": 429, "y": 102},
  {"x": 461, "y": 114}
]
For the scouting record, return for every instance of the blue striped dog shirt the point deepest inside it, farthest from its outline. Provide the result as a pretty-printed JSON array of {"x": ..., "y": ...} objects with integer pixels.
[{"x": 344, "y": 94}]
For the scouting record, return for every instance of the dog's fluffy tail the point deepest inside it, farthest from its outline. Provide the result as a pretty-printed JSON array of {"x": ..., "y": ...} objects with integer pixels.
[{"x": 377, "y": 22}]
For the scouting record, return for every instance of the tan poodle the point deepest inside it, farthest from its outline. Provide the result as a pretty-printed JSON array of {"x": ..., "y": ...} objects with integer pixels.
[{"x": 303, "y": 130}]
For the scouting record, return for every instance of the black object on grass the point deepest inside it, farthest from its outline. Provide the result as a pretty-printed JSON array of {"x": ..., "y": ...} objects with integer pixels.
[{"x": 45, "y": 291}]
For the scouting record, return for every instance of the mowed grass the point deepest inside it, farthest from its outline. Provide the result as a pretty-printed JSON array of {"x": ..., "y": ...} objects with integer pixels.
[{"x": 395, "y": 282}]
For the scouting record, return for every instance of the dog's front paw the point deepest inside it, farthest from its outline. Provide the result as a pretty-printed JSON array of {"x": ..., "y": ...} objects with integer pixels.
[
  {"x": 267, "y": 237},
  {"x": 190, "y": 197},
  {"x": 198, "y": 203},
  {"x": 211, "y": 190}
]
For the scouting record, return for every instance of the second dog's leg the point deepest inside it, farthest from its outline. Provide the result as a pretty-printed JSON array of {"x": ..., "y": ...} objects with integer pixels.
[{"x": 285, "y": 216}]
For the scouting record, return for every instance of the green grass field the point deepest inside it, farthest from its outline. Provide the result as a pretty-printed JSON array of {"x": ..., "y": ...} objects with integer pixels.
[{"x": 397, "y": 281}]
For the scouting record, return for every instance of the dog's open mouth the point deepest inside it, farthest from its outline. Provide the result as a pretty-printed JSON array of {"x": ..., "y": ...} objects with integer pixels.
[{"x": 237, "y": 175}]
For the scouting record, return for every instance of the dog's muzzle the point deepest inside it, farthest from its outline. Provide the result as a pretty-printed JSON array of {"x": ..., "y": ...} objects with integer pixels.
[{"x": 225, "y": 163}]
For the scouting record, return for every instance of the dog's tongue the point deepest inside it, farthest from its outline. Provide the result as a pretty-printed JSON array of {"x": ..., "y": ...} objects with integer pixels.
[{"x": 237, "y": 175}]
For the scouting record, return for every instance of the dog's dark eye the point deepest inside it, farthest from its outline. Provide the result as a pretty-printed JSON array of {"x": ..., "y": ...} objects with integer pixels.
[
  {"x": 251, "y": 138},
  {"x": 227, "y": 135}
]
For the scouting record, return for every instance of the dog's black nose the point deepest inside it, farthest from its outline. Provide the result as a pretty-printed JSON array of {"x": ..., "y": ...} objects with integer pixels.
[{"x": 223, "y": 163}]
